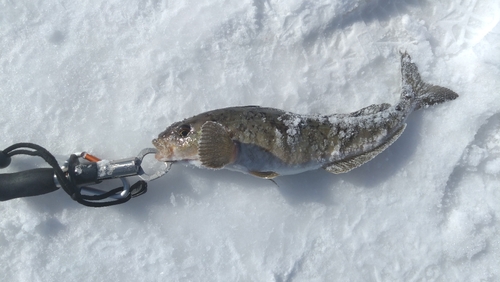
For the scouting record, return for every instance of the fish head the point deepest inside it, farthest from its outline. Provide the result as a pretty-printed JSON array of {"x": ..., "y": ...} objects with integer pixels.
[{"x": 179, "y": 142}]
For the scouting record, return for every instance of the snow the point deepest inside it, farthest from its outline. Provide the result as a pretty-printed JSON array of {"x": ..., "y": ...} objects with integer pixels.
[{"x": 107, "y": 76}]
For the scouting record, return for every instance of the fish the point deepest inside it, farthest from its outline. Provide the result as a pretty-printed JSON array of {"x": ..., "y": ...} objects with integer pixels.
[{"x": 269, "y": 142}]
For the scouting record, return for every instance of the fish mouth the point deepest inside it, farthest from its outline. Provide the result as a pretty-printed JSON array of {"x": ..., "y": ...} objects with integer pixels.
[
  {"x": 165, "y": 151},
  {"x": 172, "y": 152},
  {"x": 167, "y": 154},
  {"x": 164, "y": 154},
  {"x": 162, "y": 158}
]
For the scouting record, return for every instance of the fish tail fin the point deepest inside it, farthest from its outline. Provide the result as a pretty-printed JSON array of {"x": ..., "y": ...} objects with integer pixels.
[{"x": 421, "y": 94}]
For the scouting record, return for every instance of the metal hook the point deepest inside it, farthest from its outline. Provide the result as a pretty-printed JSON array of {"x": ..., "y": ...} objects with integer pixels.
[{"x": 160, "y": 172}]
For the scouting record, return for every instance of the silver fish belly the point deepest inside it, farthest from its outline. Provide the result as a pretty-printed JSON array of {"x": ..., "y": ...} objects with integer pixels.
[{"x": 268, "y": 142}]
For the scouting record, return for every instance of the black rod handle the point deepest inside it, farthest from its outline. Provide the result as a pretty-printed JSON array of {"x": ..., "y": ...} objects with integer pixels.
[{"x": 27, "y": 183}]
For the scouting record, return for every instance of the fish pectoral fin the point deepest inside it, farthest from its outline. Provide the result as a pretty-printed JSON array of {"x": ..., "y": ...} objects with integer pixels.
[
  {"x": 216, "y": 148},
  {"x": 349, "y": 164},
  {"x": 264, "y": 174}
]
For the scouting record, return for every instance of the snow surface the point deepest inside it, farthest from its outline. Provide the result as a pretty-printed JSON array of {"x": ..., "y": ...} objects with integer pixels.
[{"x": 108, "y": 76}]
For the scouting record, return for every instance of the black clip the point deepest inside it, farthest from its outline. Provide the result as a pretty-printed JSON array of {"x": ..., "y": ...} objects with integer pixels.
[{"x": 95, "y": 170}]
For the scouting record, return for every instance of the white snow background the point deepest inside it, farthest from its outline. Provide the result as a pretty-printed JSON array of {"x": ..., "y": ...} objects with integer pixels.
[{"x": 107, "y": 76}]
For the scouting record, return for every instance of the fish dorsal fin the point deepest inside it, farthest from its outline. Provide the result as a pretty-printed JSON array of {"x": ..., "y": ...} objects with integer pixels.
[
  {"x": 354, "y": 162},
  {"x": 216, "y": 148},
  {"x": 372, "y": 109},
  {"x": 264, "y": 174}
]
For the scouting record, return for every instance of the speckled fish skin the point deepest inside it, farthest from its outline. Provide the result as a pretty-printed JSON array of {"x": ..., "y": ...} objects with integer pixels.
[{"x": 268, "y": 142}]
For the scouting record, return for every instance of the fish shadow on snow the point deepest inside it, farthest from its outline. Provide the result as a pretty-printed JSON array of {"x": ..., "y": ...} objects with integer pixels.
[{"x": 183, "y": 184}]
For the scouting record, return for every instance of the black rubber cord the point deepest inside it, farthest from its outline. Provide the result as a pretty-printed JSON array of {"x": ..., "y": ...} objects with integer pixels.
[
  {"x": 4, "y": 160},
  {"x": 68, "y": 187}
]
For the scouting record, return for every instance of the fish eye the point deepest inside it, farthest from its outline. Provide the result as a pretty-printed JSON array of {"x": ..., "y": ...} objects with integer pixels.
[{"x": 184, "y": 130}]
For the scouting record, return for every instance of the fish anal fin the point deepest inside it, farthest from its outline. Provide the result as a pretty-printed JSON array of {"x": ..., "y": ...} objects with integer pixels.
[
  {"x": 216, "y": 148},
  {"x": 349, "y": 164},
  {"x": 264, "y": 174}
]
